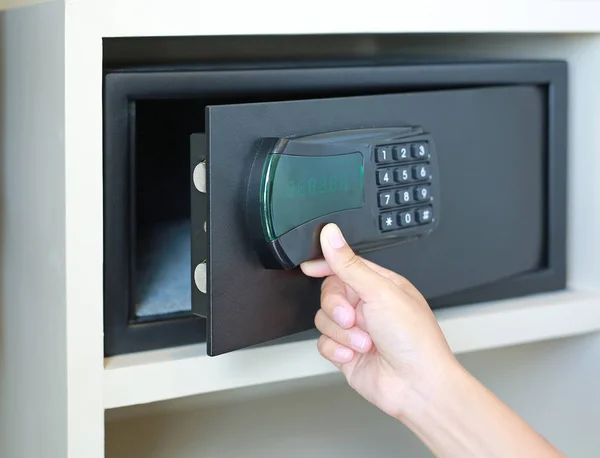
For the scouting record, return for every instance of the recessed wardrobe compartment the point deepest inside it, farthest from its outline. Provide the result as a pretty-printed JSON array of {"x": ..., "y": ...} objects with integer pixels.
[{"x": 496, "y": 134}]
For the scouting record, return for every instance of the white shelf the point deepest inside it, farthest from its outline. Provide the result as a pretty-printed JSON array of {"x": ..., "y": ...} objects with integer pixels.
[
  {"x": 189, "y": 17},
  {"x": 168, "y": 374}
]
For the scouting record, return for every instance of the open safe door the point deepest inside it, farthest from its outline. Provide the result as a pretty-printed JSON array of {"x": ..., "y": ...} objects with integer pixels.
[{"x": 443, "y": 187}]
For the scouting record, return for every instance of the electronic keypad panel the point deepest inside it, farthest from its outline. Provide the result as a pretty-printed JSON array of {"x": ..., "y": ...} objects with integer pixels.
[{"x": 381, "y": 185}]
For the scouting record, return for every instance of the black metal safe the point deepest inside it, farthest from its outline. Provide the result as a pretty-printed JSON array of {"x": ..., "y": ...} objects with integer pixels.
[{"x": 495, "y": 133}]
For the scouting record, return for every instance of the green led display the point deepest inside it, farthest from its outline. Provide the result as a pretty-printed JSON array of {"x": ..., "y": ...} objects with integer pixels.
[{"x": 298, "y": 189}]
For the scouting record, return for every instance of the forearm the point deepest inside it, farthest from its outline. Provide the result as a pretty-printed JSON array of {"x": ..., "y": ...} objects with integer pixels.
[{"x": 461, "y": 418}]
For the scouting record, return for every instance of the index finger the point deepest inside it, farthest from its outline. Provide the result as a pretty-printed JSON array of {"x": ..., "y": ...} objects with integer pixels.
[{"x": 319, "y": 268}]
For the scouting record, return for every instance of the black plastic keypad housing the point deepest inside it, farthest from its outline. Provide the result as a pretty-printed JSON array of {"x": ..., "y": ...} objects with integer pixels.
[{"x": 401, "y": 192}]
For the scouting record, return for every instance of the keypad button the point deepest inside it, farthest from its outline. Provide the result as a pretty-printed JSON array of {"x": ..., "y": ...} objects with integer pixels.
[
  {"x": 402, "y": 175},
  {"x": 424, "y": 215},
  {"x": 401, "y": 152},
  {"x": 404, "y": 196},
  {"x": 421, "y": 172},
  {"x": 422, "y": 193},
  {"x": 384, "y": 177},
  {"x": 383, "y": 154},
  {"x": 386, "y": 199},
  {"x": 406, "y": 219},
  {"x": 420, "y": 150},
  {"x": 387, "y": 222}
]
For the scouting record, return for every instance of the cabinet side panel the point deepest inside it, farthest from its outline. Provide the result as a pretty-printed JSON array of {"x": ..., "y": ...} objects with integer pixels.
[{"x": 33, "y": 357}]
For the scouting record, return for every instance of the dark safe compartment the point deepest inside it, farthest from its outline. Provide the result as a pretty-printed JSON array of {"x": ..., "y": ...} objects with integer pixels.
[{"x": 500, "y": 132}]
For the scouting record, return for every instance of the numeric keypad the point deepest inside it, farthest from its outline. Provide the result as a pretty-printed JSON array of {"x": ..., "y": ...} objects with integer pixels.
[{"x": 404, "y": 176}]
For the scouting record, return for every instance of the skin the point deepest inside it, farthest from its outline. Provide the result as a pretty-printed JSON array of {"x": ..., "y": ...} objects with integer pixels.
[{"x": 380, "y": 332}]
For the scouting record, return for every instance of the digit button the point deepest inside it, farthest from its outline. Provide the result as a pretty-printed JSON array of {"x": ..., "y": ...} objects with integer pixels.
[
  {"x": 422, "y": 193},
  {"x": 420, "y": 150},
  {"x": 383, "y": 154},
  {"x": 406, "y": 218},
  {"x": 402, "y": 175},
  {"x": 386, "y": 199},
  {"x": 421, "y": 172},
  {"x": 384, "y": 177},
  {"x": 402, "y": 153},
  {"x": 404, "y": 196}
]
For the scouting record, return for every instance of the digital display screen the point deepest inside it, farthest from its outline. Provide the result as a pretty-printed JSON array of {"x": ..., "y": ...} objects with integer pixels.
[{"x": 298, "y": 189}]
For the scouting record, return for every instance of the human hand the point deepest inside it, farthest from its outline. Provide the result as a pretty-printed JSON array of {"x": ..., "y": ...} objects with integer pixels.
[{"x": 377, "y": 328}]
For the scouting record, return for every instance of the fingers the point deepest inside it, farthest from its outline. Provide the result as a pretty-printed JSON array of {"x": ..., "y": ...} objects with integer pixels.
[
  {"x": 334, "y": 352},
  {"x": 334, "y": 293},
  {"x": 335, "y": 304},
  {"x": 353, "y": 338},
  {"x": 319, "y": 268},
  {"x": 351, "y": 269}
]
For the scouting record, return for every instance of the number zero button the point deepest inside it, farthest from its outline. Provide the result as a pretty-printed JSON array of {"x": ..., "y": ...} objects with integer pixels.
[
  {"x": 386, "y": 199},
  {"x": 406, "y": 219},
  {"x": 384, "y": 177}
]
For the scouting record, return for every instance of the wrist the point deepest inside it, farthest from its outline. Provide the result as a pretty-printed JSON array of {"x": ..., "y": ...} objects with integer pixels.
[
  {"x": 429, "y": 391},
  {"x": 458, "y": 416}
]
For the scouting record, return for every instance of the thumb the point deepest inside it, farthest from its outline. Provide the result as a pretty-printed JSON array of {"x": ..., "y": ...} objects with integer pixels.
[{"x": 348, "y": 266}]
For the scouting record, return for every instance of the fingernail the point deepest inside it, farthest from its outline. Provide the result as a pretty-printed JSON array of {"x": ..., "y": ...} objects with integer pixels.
[
  {"x": 358, "y": 340},
  {"x": 335, "y": 237},
  {"x": 341, "y": 315},
  {"x": 342, "y": 354}
]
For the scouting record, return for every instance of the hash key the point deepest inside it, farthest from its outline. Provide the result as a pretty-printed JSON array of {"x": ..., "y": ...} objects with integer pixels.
[{"x": 424, "y": 215}]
